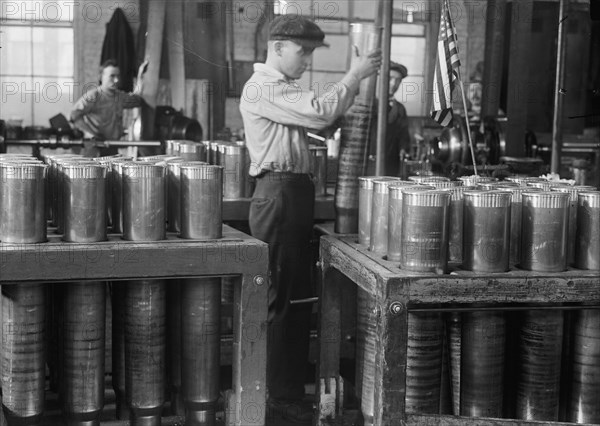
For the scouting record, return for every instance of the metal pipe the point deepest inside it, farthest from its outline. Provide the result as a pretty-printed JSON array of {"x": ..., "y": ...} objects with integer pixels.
[
  {"x": 384, "y": 85},
  {"x": 559, "y": 88}
]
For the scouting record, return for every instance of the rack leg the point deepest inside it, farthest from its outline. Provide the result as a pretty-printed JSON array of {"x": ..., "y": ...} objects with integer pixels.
[
  {"x": 247, "y": 402},
  {"x": 390, "y": 372},
  {"x": 328, "y": 368}
]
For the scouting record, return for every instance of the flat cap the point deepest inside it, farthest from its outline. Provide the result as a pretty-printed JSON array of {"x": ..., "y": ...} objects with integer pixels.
[
  {"x": 395, "y": 66},
  {"x": 298, "y": 29}
]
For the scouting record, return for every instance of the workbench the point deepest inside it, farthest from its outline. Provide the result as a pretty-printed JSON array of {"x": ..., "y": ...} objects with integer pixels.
[
  {"x": 236, "y": 254},
  {"x": 396, "y": 293}
]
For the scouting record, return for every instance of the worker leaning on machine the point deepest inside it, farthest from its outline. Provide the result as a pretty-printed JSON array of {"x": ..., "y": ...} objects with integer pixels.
[{"x": 99, "y": 112}]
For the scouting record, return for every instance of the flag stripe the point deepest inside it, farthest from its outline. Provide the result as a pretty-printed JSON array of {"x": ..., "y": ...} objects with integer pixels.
[{"x": 446, "y": 69}]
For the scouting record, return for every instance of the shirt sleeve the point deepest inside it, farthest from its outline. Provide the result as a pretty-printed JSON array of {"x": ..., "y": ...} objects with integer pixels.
[
  {"x": 286, "y": 103},
  {"x": 83, "y": 105}
]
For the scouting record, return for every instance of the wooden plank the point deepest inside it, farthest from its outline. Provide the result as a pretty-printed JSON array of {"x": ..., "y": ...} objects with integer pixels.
[
  {"x": 361, "y": 269},
  {"x": 174, "y": 31},
  {"x": 247, "y": 406},
  {"x": 117, "y": 259},
  {"x": 154, "y": 40},
  {"x": 430, "y": 420}
]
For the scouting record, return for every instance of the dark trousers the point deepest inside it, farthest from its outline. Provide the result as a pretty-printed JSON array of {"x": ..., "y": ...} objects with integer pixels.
[{"x": 281, "y": 214}]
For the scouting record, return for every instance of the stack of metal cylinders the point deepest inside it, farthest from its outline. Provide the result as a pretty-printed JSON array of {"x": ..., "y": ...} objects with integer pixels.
[
  {"x": 516, "y": 209},
  {"x": 486, "y": 233},
  {"x": 23, "y": 221},
  {"x": 379, "y": 214},
  {"x": 455, "y": 223},
  {"x": 355, "y": 135},
  {"x": 365, "y": 200},
  {"x": 144, "y": 306},
  {"x": 584, "y": 383},
  {"x": 201, "y": 198},
  {"x": 319, "y": 169},
  {"x": 395, "y": 217},
  {"x": 61, "y": 165}
]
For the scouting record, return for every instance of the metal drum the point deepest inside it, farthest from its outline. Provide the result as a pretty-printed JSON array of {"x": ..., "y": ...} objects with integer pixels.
[
  {"x": 51, "y": 185},
  {"x": 585, "y": 382},
  {"x": 379, "y": 215},
  {"x": 540, "y": 347},
  {"x": 455, "y": 223},
  {"x": 587, "y": 247},
  {"x": 22, "y": 209},
  {"x": 84, "y": 201},
  {"x": 365, "y": 199},
  {"x": 454, "y": 338},
  {"x": 191, "y": 151},
  {"x": 143, "y": 202},
  {"x": 235, "y": 171},
  {"x": 424, "y": 234},
  {"x": 516, "y": 212},
  {"x": 319, "y": 169},
  {"x": 486, "y": 231},
  {"x": 116, "y": 188},
  {"x": 201, "y": 201},
  {"x": 200, "y": 348},
  {"x": 83, "y": 342},
  {"x": 442, "y": 184},
  {"x": 544, "y": 230},
  {"x": 61, "y": 163},
  {"x": 482, "y": 364},
  {"x": 172, "y": 147},
  {"x": 107, "y": 162},
  {"x": 394, "y": 238},
  {"x": 572, "y": 191},
  {"x": 23, "y": 363},
  {"x": 424, "y": 363},
  {"x": 145, "y": 350},
  {"x": 213, "y": 154}
]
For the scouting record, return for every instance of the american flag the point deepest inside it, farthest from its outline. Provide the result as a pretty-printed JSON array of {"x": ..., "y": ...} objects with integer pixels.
[{"x": 446, "y": 69}]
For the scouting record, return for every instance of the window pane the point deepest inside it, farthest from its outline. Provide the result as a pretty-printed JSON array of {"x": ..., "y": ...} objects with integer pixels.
[
  {"x": 16, "y": 50},
  {"x": 409, "y": 51},
  {"x": 53, "y": 51},
  {"x": 16, "y": 101},
  {"x": 408, "y": 29},
  {"x": 38, "y": 11}
]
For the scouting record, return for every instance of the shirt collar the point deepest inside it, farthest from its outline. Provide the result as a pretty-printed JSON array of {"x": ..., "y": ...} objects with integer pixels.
[{"x": 270, "y": 71}]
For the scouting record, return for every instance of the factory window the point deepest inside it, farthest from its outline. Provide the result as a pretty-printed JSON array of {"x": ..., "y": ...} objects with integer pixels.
[{"x": 36, "y": 60}]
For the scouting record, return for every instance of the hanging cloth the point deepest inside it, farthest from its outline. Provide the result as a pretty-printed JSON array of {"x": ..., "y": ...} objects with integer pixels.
[{"x": 118, "y": 45}]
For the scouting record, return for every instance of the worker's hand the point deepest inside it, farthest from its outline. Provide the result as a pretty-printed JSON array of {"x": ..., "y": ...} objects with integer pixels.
[{"x": 366, "y": 65}]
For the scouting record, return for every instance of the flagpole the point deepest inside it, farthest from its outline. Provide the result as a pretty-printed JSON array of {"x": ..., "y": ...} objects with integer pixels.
[{"x": 462, "y": 91}]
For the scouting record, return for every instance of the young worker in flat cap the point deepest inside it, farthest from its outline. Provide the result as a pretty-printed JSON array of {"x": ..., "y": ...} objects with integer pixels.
[{"x": 276, "y": 113}]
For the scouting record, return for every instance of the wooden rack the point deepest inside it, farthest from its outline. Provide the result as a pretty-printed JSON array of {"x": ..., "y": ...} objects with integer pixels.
[
  {"x": 236, "y": 254},
  {"x": 397, "y": 292}
]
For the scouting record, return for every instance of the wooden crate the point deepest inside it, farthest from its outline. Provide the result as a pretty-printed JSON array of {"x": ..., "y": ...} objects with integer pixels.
[{"x": 397, "y": 292}]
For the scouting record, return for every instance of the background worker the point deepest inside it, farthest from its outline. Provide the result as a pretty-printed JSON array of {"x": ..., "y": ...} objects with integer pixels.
[
  {"x": 276, "y": 114},
  {"x": 99, "y": 112},
  {"x": 397, "y": 140}
]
